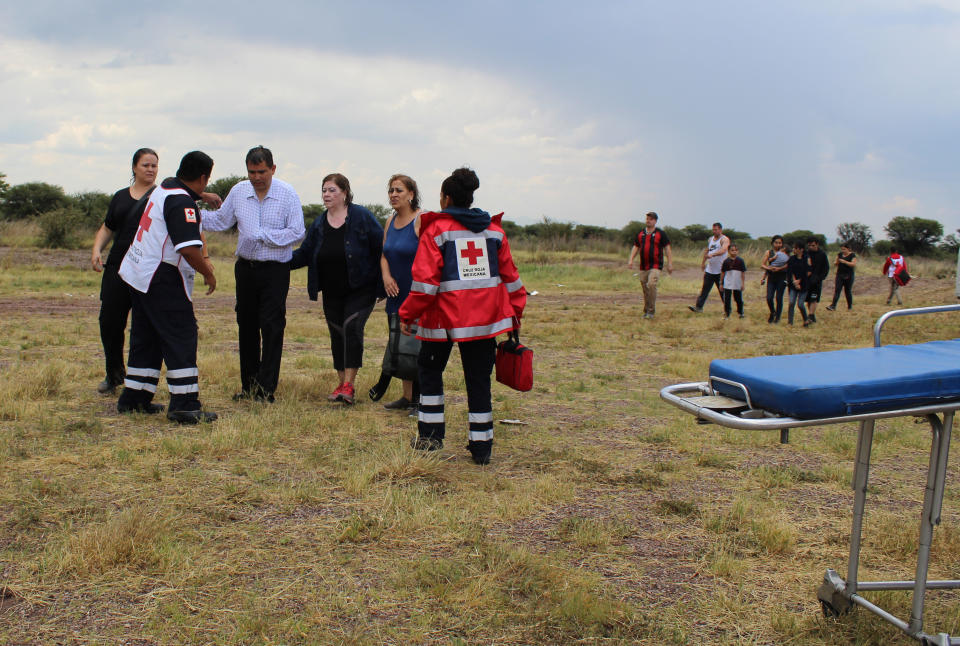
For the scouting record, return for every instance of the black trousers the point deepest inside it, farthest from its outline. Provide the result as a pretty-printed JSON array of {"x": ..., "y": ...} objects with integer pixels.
[
  {"x": 737, "y": 296},
  {"x": 775, "y": 289},
  {"x": 261, "y": 319},
  {"x": 477, "y": 358},
  {"x": 346, "y": 316},
  {"x": 709, "y": 280},
  {"x": 163, "y": 330},
  {"x": 115, "y": 307},
  {"x": 844, "y": 284}
]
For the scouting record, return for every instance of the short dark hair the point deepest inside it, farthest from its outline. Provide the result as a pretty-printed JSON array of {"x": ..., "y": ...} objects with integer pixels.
[
  {"x": 813, "y": 239},
  {"x": 733, "y": 245},
  {"x": 798, "y": 244},
  {"x": 460, "y": 186},
  {"x": 411, "y": 186},
  {"x": 717, "y": 224},
  {"x": 194, "y": 165},
  {"x": 260, "y": 155},
  {"x": 653, "y": 215},
  {"x": 342, "y": 183}
]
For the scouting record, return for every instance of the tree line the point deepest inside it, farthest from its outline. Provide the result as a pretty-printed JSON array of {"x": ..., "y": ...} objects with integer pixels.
[{"x": 65, "y": 219}]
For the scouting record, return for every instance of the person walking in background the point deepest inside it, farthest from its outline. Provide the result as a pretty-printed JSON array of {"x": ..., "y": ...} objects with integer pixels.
[
  {"x": 711, "y": 263},
  {"x": 845, "y": 262},
  {"x": 894, "y": 264},
  {"x": 819, "y": 269},
  {"x": 165, "y": 254},
  {"x": 341, "y": 252},
  {"x": 798, "y": 273},
  {"x": 465, "y": 289},
  {"x": 775, "y": 276},
  {"x": 269, "y": 220},
  {"x": 732, "y": 277},
  {"x": 653, "y": 245},
  {"x": 400, "y": 240}
]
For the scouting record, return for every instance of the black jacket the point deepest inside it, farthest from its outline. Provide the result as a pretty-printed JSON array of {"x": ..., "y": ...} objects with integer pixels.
[{"x": 363, "y": 242}]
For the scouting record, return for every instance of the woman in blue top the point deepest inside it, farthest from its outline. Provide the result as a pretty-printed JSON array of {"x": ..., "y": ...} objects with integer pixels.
[{"x": 400, "y": 241}]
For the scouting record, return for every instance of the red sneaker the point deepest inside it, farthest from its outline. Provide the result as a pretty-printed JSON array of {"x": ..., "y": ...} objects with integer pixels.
[
  {"x": 346, "y": 393},
  {"x": 335, "y": 395}
]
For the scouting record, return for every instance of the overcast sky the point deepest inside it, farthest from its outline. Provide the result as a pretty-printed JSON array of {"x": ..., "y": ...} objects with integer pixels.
[{"x": 767, "y": 116}]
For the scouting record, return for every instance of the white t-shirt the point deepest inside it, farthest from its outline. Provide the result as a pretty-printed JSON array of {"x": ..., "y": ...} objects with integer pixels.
[{"x": 716, "y": 262}]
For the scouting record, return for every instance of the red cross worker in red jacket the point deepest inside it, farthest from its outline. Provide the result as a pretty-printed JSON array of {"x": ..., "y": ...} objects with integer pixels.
[{"x": 465, "y": 289}]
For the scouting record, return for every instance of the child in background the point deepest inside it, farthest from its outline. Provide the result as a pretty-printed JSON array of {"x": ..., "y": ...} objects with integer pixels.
[{"x": 731, "y": 279}]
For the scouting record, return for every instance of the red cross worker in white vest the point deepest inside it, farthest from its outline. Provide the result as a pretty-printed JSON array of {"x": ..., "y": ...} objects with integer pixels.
[{"x": 159, "y": 266}]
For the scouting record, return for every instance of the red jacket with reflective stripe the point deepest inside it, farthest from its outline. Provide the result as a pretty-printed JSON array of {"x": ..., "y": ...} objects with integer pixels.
[{"x": 465, "y": 284}]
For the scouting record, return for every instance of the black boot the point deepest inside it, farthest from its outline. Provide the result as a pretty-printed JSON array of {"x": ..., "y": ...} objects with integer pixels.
[{"x": 480, "y": 451}]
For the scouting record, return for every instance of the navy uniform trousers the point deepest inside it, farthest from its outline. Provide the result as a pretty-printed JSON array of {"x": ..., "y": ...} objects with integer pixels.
[
  {"x": 477, "y": 358},
  {"x": 163, "y": 330}
]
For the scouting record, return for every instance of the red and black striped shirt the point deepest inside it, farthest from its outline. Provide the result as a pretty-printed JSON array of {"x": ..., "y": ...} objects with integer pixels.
[{"x": 651, "y": 248}]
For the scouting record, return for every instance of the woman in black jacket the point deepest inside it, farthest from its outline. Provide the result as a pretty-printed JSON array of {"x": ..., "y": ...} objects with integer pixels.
[{"x": 341, "y": 252}]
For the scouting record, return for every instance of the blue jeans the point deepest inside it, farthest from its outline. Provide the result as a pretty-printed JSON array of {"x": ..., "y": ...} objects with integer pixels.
[{"x": 798, "y": 298}]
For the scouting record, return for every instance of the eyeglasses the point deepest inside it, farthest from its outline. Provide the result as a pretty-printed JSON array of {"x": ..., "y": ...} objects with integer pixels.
[{"x": 394, "y": 190}]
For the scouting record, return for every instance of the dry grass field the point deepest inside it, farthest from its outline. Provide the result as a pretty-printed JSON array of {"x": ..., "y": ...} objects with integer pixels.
[{"x": 609, "y": 518}]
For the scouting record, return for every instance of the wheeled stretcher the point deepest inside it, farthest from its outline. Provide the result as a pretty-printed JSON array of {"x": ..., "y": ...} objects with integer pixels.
[{"x": 860, "y": 385}]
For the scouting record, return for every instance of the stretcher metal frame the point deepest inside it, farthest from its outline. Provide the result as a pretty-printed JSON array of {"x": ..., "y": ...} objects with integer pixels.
[{"x": 837, "y": 595}]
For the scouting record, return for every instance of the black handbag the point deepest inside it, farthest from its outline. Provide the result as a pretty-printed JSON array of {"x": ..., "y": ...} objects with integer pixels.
[{"x": 400, "y": 357}]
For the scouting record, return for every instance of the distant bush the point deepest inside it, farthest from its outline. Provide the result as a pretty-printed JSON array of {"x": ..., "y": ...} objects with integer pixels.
[
  {"x": 675, "y": 235},
  {"x": 882, "y": 247},
  {"x": 801, "y": 235},
  {"x": 697, "y": 232},
  {"x": 856, "y": 234},
  {"x": 92, "y": 204},
  {"x": 311, "y": 212},
  {"x": 380, "y": 212},
  {"x": 914, "y": 236},
  {"x": 223, "y": 185},
  {"x": 739, "y": 236},
  {"x": 64, "y": 228},
  {"x": 31, "y": 199}
]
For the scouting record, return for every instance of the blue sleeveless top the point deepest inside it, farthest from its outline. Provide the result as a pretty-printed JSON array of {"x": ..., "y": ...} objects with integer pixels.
[{"x": 400, "y": 248}]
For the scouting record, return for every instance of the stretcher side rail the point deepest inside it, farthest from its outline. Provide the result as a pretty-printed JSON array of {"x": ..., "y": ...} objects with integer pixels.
[
  {"x": 771, "y": 421},
  {"x": 910, "y": 311}
]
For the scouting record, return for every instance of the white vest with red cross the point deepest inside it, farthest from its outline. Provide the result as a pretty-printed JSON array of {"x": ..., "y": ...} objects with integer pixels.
[{"x": 152, "y": 245}]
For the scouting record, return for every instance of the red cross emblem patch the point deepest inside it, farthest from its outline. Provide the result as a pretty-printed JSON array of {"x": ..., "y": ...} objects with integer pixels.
[{"x": 472, "y": 259}]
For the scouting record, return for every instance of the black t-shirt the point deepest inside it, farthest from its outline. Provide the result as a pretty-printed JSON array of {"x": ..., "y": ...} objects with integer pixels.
[
  {"x": 798, "y": 268},
  {"x": 819, "y": 266},
  {"x": 123, "y": 223},
  {"x": 332, "y": 260},
  {"x": 845, "y": 271}
]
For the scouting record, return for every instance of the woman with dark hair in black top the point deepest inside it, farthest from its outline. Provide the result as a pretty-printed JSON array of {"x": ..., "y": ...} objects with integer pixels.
[{"x": 120, "y": 224}]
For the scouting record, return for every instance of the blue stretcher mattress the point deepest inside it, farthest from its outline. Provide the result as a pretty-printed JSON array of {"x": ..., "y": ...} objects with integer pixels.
[{"x": 846, "y": 382}]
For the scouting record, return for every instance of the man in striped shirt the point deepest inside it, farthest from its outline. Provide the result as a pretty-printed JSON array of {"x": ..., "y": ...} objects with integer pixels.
[
  {"x": 269, "y": 220},
  {"x": 653, "y": 246}
]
